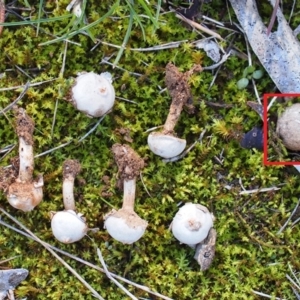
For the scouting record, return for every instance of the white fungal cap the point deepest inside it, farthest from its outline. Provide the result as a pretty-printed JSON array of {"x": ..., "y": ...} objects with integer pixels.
[
  {"x": 127, "y": 229},
  {"x": 166, "y": 146},
  {"x": 192, "y": 223},
  {"x": 68, "y": 227},
  {"x": 93, "y": 94}
]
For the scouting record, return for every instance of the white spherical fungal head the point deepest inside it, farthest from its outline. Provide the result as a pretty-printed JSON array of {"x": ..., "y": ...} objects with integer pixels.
[
  {"x": 192, "y": 223},
  {"x": 68, "y": 227},
  {"x": 93, "y": 94},
  {"x": 164, "y": 145},
  {"x": 125, "y": 226},
  {"x": 288, "y": 127}
]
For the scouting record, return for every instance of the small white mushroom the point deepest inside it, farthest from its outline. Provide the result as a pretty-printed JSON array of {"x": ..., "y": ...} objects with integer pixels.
[
  {"x": 93, "y": 94},
  {"x": 68, "y": 226},
  {"x": 165, "y": 143},
  {"x": 288, "y": 127},
  {"x": 125, "y": 225},
  {"x": 191, "y": 224},
  {"x": 24, "y": 193}
]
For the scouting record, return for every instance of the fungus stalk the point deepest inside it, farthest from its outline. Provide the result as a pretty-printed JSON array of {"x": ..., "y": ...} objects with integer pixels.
[
  {"x": 165, "y": 143},
  {"x": 125, "y": 225},
  {"x": 24, "y": 193},
  {"x": 68, "y": 226}
]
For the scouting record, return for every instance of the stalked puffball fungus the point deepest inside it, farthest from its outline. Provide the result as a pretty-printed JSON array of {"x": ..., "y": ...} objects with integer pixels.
[
  {"x": 69, "y": 226},
  {"x": 288, "y": 127},
  {"x": 93, "y": 94},
  {"x": 125, "y": 225},
  {"x": 25, "y": 193},
  {"x": 191, "y": 224},
  {"x": 165, "y": 143}
]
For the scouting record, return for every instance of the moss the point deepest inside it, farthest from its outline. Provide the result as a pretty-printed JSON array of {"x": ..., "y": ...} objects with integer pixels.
[{"x": 249, "y": 253}]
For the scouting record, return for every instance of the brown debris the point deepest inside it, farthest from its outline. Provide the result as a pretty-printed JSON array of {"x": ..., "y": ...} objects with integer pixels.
[
  {"x": 24, "y": 125},
  {"x": 179, "y": 89},
  {"x": 71, "y": 167},
  {"x": 205, "y": 251},
  {"x": 125, "y": 133},
  {"x": 128, "y": 161}
]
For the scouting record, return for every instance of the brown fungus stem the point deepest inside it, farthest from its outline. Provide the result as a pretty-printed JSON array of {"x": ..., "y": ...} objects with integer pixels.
[
  {"x": 165, "y": 143},
  {"x": 25, "y": 193},
  {"x": 125, "y": 225}
]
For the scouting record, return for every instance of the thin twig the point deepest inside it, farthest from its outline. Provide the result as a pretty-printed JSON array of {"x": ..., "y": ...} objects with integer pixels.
[
  {"x": 93, "y": 129},
  {"x": 266, "y": 295},
  {"x": 261, "y": 190},
  {"x": 272, "y": 20},
  {"x": 296, "y": 278},
  {"x": 199, "y": 26},
  {"x": 45, "y": 245},
  {"x": 292, "y": 281},
  {"x": 160, "y": 47},
  {"x": 271, "y": 103},
  {"x": 124, "y": 99},
  {"x": 141, "y": 176},
  {"x": 104, "y": 61},
  {"x": 2, "y": 14},
  {"x": 8, "y": 259},
  {"x": 107, "y": 273},
  {"x": 26, "y": 87},
  {"x": 53, "y": 149},
  {"x": 290, "y": 217}
]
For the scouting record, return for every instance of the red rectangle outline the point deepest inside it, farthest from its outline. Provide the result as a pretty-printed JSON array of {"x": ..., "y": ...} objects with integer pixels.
[{"x": 265, "y": 132}]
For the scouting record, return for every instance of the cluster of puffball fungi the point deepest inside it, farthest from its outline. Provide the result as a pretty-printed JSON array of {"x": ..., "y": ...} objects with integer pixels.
[
  {"x": 93, "y": 94},
  {"x": 165, "y": 143},
  {"x": 288, "y": 127},
  {"x": 124, "y": 225},
  {"x": 25, "y": 193},
  {"x": 67, "y": 225}
]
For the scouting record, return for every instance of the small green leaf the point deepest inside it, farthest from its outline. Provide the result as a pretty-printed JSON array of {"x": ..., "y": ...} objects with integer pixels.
[
  {"x": 248, "y": 70},
  {"x": 242, "y": 83},
  {"x": 257, "y": 74}
]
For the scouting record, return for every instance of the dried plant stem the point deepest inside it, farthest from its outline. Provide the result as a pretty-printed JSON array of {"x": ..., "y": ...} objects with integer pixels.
[
  {"x": 290, "y": 217},
  {"x": 26, "y": 87},
  {"x": 142, "y": 287},
  {"x": 266, "y": 295},
  {"x": 111, "y": 278},
  {"x": 200, "y": 27},
  {"x": 2, "y": 14},
  {"x": 87, "y": 285}
]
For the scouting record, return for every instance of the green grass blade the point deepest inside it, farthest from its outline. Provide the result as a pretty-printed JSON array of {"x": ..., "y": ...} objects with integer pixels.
[
  {"x": 84, "y": 28},
  {"x": 21, "y": 23},
  {"x": 148, "y": 12},
  {"x": 125, "y": 40},
  {"x": 39, "y": 16}
]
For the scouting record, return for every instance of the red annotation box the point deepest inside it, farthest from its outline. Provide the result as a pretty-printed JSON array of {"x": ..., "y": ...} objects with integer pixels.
[{"x": 295, "y": 98}]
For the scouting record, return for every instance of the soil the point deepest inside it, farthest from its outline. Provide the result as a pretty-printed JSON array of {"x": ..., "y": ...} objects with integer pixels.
[
  {"x": 179, "y": 89},
  {"x": 71, "y": 168},
  {"x": 24, "y": 125},
  {"x": 128, "y": 161},
  {"x": 125, "y": 133}
]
